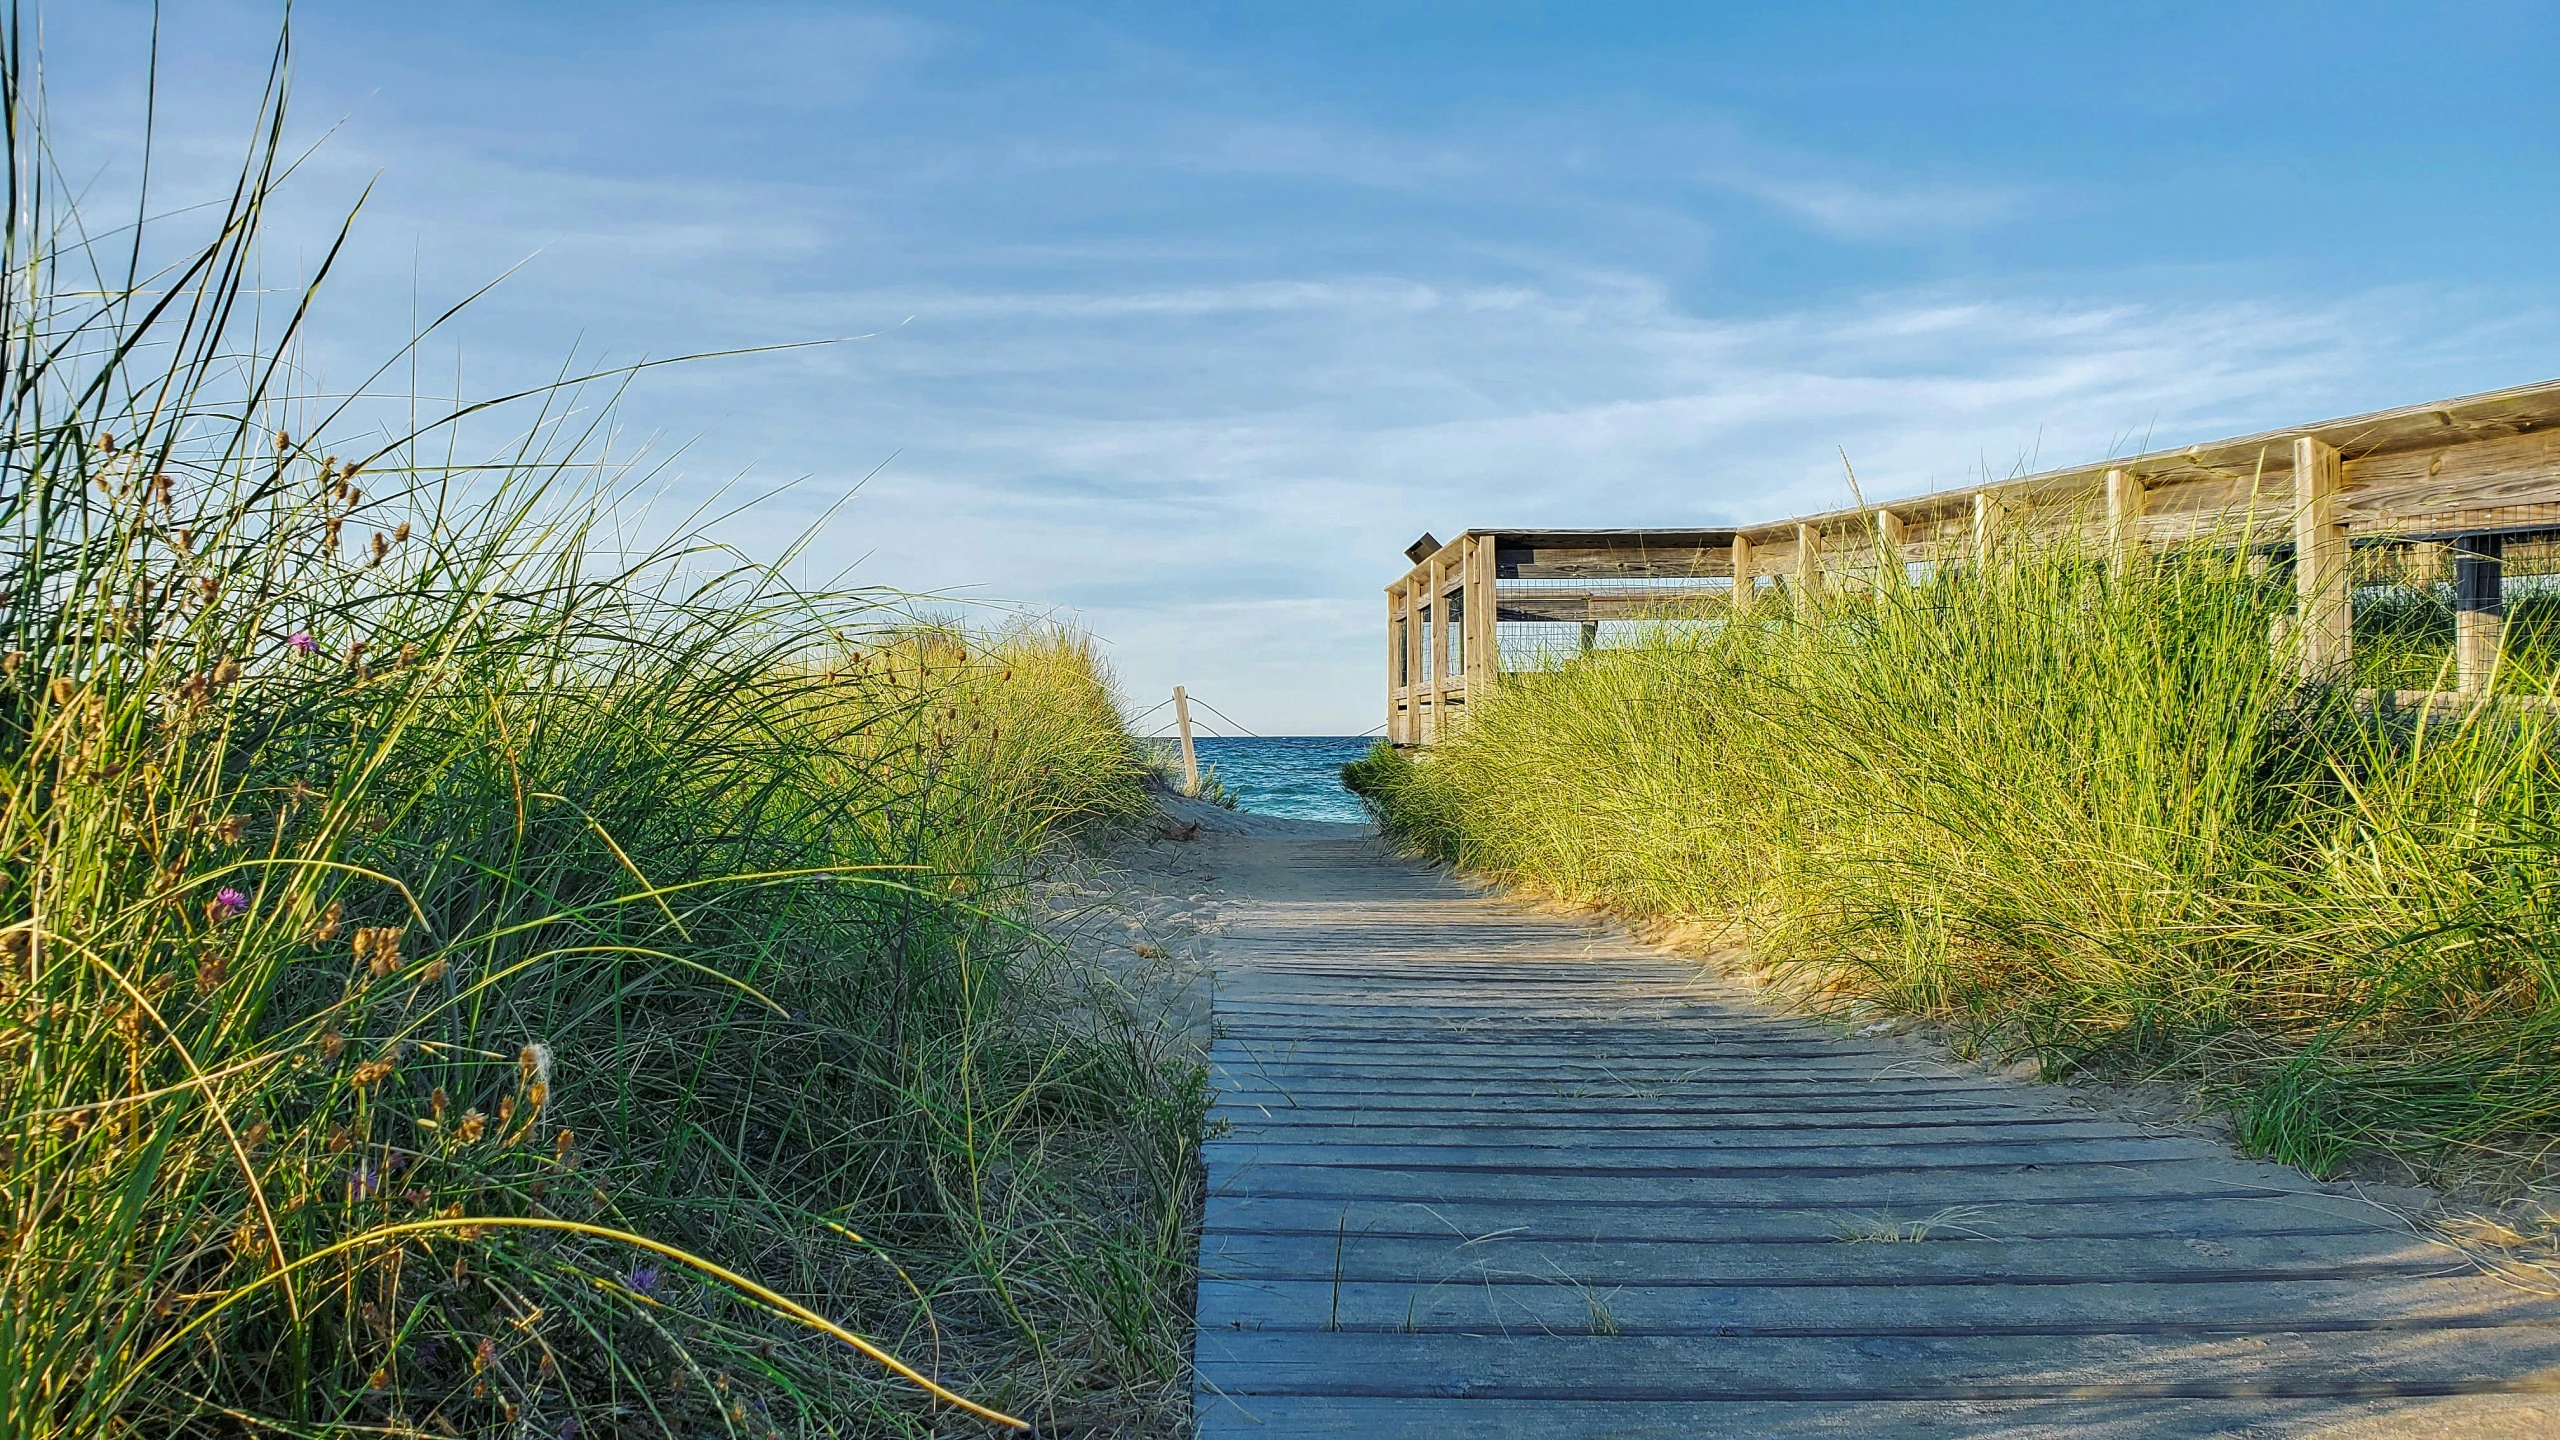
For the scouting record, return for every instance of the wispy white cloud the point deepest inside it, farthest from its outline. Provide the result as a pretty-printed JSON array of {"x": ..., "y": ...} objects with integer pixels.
[{"x": 1820, "y": 196}]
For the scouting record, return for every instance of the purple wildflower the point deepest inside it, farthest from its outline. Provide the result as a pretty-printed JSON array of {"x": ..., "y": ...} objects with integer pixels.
[
  {"x": 301, "y": 640},
  {"x": 643, "y": 1280},
  {"x": 230, "y": 902},
  {"x": 363, "y": 1182},
  {"x": 569, "y": 1428}
]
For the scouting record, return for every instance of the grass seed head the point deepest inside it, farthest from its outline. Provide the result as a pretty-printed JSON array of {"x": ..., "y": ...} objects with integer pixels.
[{"x": 377, "y": 948}]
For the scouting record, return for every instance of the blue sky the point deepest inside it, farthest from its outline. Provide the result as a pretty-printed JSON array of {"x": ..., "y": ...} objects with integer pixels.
[{"x": 1186, "y": 318}]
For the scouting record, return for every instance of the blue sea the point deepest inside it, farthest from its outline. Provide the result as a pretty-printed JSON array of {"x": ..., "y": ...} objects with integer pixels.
[{"x": 1299, "y": 776}]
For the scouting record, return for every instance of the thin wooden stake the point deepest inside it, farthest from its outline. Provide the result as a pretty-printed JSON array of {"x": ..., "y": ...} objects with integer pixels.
[
  {"x": 1744, "y": 576},
  {"x": 1190, "y": 760}
]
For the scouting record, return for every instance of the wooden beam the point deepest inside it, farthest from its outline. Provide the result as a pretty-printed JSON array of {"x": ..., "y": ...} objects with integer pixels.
[
  {"x": 2124, "y": 519},
  {"x": 1516, "y": 561},
  {"x": 2326, "y": 620},
  {"x": 2402, "y": 471},
  {"x": 1745, "y": 577},
  {"x": 1808, "y": 560},
  {"x": 1562, "y": 605},
  {"x": 1484, "y": 615}
]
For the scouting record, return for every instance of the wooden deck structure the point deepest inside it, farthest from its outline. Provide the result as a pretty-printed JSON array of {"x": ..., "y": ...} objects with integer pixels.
[
  {"x": 2471, "y": 475},
  {"x": 1489, "y": 1173}
]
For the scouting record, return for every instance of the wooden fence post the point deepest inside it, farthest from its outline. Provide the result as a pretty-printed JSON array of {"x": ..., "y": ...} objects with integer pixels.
[
  {"x": 1989, "y": 515},
  {"x": 1413, "y": 627},
  {"x": 1483, "y": 618},
  {"x": 2325, "y": 625},
  {"x": 1395, "y": 661},
  {"x": 1744, "y": 578},
  {"x": 1190, "y": 760},
  {"x": 1808, "y": 561},
  {"x": 1462, "y": 617},
  {"x": 2125, "y": 495},
  {"x": 1438, "y": 648},
  {"x": 1889, "y": 552},
  {"x": 2479, "y": 608}
]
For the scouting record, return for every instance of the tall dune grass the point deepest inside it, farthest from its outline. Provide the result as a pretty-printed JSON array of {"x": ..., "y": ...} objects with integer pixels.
[
  {"x": 459, "y": 977},
  {"x": 2073, "y": 814}
]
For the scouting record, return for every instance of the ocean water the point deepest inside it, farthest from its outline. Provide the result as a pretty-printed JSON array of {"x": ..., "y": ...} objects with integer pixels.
[{"x": 1299, "y": 776}]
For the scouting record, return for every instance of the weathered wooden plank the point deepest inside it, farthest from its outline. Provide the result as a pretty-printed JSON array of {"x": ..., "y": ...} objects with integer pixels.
[
  {"x": 1830, "y": 1061},
  {"x": 1666, "y": 1042},
  {"x": 2121, "y": 1213},
  {"x": 2381, "y": 450},
  {"x": 2441, "y": 489},
  {"x": 1353, "y": 1120},
  {"x": 1897, "y": 1186},
  {"x": 1617, "y": 1134},
  {"x": 1560, "y": 605},
  {"x": 1536, "y": 1118},
  {"x": 1667, "y": 1049},
  {"x": 1273, "y": 987},
  {"x": 2471, "y": 1416},
  {"x": 1557, "y": 1307},
  {"x": 1652, "y": 1152},
  {"x": 1272, "y": 1001},
  {"x": 1663, "y": 1037},
  {"x": 1654, "y": 554},
  {"x": 2314, "y": 1252},
  {"x": 1883, "y": 1088},
  {"x": 1822, "y": 1099},
  {"x": 1678, "y": 1367}
]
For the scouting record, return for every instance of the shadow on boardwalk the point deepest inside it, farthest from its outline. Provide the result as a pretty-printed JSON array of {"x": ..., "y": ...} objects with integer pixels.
[{"x": 1488, "y": 1172}]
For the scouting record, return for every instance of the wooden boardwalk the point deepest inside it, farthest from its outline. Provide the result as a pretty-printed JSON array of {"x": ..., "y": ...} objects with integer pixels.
[{"x": 1477, "y": 1171}]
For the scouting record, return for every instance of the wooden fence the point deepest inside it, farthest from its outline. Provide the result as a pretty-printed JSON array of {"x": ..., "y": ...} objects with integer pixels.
[{"x": 2472, "y": 476}]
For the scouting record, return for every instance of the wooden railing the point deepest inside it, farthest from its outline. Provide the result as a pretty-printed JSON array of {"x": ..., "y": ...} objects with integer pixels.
[{"x": 2471, "y": 475}]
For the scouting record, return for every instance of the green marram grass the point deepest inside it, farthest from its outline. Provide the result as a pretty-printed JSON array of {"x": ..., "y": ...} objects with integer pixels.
[
  {"x": 461, "y": 977},
  {"x": 2074, "y": 814}
]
